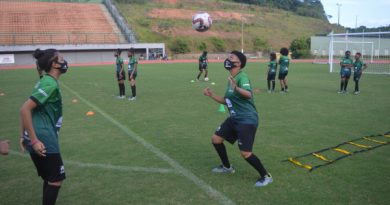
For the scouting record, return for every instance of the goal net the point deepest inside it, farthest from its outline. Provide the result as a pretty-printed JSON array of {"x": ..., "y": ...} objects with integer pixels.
[{"x": 374, "y": 47}]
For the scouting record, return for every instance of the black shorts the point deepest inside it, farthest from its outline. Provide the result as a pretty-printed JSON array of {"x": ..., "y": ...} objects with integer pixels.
[
  {"x": 49, "y": 168},
  {"x": 202, "y": 66},
  {"x": 134, "y": 74},
  {"x": 123, "y": 77},
  {"x": 232, "y": 131},
  {"x": 271, "y": 76},
  {"x": 282, "y": 76}
]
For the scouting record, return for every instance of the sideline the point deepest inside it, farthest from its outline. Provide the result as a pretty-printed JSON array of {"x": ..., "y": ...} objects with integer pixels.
[{"x": 214, "y": 194}]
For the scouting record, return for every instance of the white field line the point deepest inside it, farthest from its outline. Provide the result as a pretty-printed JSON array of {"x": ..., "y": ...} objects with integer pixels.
[
  {"x": 180, "y": 169},
  {"x": 108, "y": 166}
]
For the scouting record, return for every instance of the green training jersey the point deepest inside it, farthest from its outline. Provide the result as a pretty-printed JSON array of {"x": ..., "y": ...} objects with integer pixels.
[
  {"x": 344, "y": 61},
  {"x": 119, "y": 63},
  {"x": 47, "y": 116},
  {"x": 241, "y": 109},
  {"x": 358, "y": 66},
  {"x": 132, "y": 61},
  {"x": 203, "y": 60},
  {"x": 284, "y": 62},
  {"x": 272, "y": 65}
]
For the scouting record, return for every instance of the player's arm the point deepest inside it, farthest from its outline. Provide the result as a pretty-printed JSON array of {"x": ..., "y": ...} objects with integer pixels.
[
  {"x": 26, "y": 121},
  {"x": 364, "y": 66},
  {"x": 208, "y": 92}
]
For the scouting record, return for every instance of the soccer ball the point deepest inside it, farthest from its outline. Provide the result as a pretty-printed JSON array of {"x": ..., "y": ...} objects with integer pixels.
[
  {"x": 206, "y": 79},
  {"x": 201, "y": 21}
]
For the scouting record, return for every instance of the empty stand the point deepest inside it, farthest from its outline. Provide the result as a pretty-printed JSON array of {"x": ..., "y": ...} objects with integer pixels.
[{"x": 26, "y": 23}]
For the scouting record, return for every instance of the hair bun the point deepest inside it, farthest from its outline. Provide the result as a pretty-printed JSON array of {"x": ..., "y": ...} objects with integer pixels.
[{"x": 38, "y": 53}]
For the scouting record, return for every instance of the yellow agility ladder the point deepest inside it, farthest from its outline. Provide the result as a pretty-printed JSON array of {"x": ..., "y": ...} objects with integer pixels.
[{"x": 362, "y": 147}]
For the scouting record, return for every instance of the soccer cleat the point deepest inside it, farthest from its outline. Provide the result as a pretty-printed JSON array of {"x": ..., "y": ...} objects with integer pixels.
[
  {"x": 132, "y": 98},
  {"x": 120, "y": 97},
  {"x": 223, "y": 169},
  {"x": 264, "y": 181},
  {"x": 340, "y": 92},
  {"x": 356, "y": 92}
]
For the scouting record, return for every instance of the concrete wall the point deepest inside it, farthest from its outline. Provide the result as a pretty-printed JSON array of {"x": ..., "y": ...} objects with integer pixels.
[{"x": 81, "y": 54}]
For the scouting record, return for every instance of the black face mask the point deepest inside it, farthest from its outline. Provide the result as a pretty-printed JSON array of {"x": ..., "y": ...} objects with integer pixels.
[
  {"x": 228, "y": 64},
  {"x": 64, "y": 66}
]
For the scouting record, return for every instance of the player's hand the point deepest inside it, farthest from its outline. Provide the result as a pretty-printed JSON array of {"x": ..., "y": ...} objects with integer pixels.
[
  {"x": 207, "y": 92},
  {"x": 233, "y": 82},
  {"x": 21, "y": 145},
  {"x": 39, "y": 148}
]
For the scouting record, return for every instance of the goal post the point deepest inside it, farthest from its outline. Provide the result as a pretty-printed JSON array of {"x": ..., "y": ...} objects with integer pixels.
[{"x": 374, "y": 47}]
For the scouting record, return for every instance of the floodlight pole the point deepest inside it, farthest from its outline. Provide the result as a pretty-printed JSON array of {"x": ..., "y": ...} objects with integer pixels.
[{"x": 338, "y": 13}]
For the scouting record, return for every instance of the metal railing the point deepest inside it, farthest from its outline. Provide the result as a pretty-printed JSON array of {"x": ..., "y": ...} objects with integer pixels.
[{"x": 120, "y": 21}]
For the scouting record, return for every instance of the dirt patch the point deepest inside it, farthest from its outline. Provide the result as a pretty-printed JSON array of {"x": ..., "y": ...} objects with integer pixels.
[
  {"x": 187, "y": 14},
  {"x": 166, "y": 1}
]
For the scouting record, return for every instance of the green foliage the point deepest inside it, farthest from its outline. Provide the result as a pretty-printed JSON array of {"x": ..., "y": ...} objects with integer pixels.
[
  {"x": 179, "y": 46},
  {"x": 165, "y": 25},
  {"x": 260, "y": 44},
  {"x": 218, "y": 44},
  {"x": 300, "y": 47},
  {"x": 202, "y": 46},
  {"x": 311, "y": 8}
]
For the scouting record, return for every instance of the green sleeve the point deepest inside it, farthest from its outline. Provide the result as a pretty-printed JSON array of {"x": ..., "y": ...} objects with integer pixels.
[{"x": 43, "y": 92}]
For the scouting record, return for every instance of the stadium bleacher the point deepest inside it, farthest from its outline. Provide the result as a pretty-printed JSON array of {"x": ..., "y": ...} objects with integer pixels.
[{"x": 31, "y": 23}]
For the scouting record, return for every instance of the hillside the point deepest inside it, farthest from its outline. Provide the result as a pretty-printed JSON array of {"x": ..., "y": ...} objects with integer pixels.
[{"x": 264, "y": 28}]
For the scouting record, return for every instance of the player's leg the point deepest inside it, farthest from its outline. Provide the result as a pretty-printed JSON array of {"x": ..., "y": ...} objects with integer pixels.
[
  {"x": 133, "y": 88},
  {"x": 224, "y": 132},
  {"x": 246, "y": 136},
  {"x": 356, "y": 78},
  {"x": 206, "y": 72},
  {"x": 200, "y": 72}
]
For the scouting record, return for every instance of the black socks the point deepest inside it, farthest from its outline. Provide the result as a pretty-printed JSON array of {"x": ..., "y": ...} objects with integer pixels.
[
  {"x": 133, "y": 90},
  {"x": 121, "y": 89},
  {"x": 50, "y": 194},
  {"x": 221, "y": 150},
  {"x": 256, "y": 163}
]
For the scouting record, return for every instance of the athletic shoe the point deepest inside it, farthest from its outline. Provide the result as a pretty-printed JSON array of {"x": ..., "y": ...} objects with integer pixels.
[
  {"x": 356, "y": 92},
  {"x": 120, "y": 97},
  {"x": 340, "y": 92},
  {"x": 132, "y": 98},
  {"x": 264, "y": 181},
  {"x": 223, "y": 169}
]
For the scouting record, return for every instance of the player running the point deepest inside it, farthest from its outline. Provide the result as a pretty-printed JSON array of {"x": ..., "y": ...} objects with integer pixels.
[
  {"x": 272, "y": 66},
  {"x": 242, "y": 124},
  {"x": 358, "y": 67},
  {"x": 120, "y": 74},
  {"x": 346, "y": 64},
  {"x": 132, "y": 72},
  {"x": 41, "y": 119},
  {"x": 284, "y": 62},
  {"x": 203, "y": 65}
]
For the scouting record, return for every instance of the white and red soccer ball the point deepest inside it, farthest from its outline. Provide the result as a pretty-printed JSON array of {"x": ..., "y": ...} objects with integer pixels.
[{"x": 201, "y": 21}]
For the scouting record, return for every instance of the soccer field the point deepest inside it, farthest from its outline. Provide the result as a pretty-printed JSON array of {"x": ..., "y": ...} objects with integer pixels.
[{"x": 157, "y": 149}]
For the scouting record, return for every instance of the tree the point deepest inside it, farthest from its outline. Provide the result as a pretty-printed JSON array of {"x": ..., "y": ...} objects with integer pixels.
[{"x": 300, "y": 47}]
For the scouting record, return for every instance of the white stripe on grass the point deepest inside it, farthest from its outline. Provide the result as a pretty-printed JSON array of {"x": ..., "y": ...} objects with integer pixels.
[
  {"x": 108, "y": 166},
  {"x": 180, "y": 169}
]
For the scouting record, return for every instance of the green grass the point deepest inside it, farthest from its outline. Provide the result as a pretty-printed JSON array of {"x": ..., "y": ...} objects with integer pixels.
[{"x": 172, "y": 116}]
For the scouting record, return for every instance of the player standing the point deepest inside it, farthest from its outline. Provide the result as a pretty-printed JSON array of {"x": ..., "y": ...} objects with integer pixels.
[
  {"x": 284, "y": 62},
  {"x": 41, "y": 119},
  {"x": 120, "y": 74},
  {"x": 203, "y": 65},
  {"x": 272, "y": 66},
  {"x": 132, "y": 72},
  {"x": 358, "y": 67},
  {"x": 242, "y": 124},
  {"x": 345, "y": 72}
]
